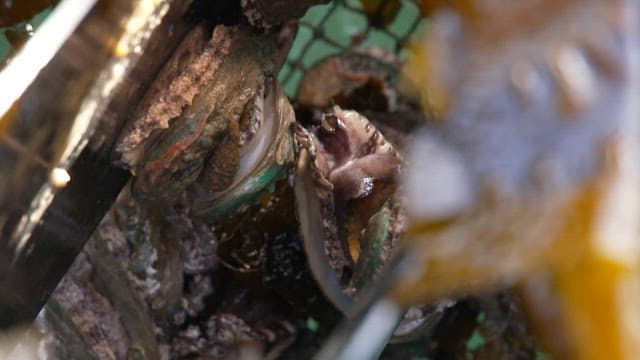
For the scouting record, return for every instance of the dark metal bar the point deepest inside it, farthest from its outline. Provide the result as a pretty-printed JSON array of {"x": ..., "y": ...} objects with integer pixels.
[{"x": 90, "y": 77}]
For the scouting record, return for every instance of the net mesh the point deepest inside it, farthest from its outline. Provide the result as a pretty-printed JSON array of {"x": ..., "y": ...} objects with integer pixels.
[{"x": 343, "y": 26}]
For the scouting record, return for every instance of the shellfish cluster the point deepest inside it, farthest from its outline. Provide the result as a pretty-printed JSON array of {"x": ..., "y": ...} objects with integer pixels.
[{"x": 492, "y": 175}]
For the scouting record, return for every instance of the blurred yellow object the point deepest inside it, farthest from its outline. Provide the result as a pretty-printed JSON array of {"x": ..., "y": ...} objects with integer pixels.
[{"x": 532, "y": 166}]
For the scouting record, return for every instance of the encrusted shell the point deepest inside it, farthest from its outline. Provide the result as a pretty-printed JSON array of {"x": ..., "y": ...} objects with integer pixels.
[{"x": 264, "y": 160}]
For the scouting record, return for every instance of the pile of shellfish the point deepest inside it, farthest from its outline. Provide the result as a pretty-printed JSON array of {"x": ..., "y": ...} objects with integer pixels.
[{"x": 485, "y": 187}]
